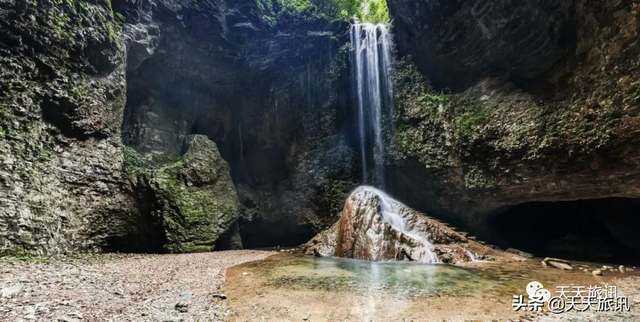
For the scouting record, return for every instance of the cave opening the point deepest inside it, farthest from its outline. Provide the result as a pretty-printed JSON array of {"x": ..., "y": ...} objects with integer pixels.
[
  {"x": 259, "y": 233},
  {"x": 603, "y": 230}
]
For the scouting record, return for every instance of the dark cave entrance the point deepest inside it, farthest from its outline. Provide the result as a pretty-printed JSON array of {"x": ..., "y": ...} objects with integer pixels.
[
  {"x": 592, "y": 230},
  {"x": 259, "y": 233}
]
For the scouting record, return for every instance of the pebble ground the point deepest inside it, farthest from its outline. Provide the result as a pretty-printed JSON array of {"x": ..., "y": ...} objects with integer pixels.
[{"x": 119, "y": 287}]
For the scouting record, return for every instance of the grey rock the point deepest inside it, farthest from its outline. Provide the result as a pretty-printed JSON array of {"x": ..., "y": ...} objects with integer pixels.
[
  {"x": 182, "y": 307},
  {"x": 9, "y": 292}
]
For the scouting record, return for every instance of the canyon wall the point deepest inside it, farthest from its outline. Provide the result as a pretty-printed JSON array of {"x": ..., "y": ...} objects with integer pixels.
[
  {"x": 81, "y": 78},
  {"x": 502, "y": 103},
  {"x": 499, "y": 105}
]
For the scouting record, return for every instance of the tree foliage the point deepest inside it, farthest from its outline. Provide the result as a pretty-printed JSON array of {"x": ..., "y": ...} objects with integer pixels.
[{"x": 274, "y": 11}]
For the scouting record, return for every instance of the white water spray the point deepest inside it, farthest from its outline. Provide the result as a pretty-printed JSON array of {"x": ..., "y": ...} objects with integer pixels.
[
  {"x": 371, "y": 62},
  {"x": 391, "y": 211}
]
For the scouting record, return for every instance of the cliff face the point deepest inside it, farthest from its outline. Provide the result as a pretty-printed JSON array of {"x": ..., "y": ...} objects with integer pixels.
[
  {"x": 501, "y": 104},
  {"x": 266, "y": 95},
  {"x": 62, "y": 98},
  {"x": 270, "y": 97}
]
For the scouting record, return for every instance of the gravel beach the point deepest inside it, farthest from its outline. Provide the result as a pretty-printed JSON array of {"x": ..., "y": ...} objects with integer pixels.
[{"x": 119, "y": 287}]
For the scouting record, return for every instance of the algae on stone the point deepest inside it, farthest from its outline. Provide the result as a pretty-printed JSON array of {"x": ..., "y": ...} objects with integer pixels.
[{"x": 194, "y": 197}]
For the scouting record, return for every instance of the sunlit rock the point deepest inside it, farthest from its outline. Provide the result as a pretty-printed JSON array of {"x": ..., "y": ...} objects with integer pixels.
[{"x": 376, "y": 227}]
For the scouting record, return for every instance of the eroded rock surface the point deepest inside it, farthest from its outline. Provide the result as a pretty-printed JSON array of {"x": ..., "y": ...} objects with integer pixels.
[
  {"x": 62, "y": 96},
  {"x": 375, "y": 227},
  {"x": 498, "y": 106},
  {"x": 267, "y": 95},
  {"x": 273, "y": 98},
  {"x": 193, "y": 199}
]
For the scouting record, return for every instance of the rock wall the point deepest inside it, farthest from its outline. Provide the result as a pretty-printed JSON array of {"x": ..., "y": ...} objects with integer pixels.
[
  {"x": 268, "y": 96},
  {"x": 62, "y": 81},
  {"x": 497, "y": 104},
  {"x": 501, "y": 104}
]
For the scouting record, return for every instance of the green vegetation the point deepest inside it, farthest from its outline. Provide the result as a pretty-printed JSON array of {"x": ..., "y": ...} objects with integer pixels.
[
  {"x": 194, "y": 194},
  {"x": 133, "y": 165},
  {"x": 468, "y": 122},
  {"x": 375, "y": 11},
  {"x": 65, "y": 17},
  {"x": 278, "y": 11},
  {"x": 434, "y": 97}
]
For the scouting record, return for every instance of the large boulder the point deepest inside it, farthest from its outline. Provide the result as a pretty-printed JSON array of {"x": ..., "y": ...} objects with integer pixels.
[
  {"x": 194, "y": 197},
  {"x": 376, "y": 227}
]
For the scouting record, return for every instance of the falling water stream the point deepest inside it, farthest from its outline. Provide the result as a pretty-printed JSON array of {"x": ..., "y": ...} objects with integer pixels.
[
  {"x": 372, "y": 94},
  {"x": 391, "y": 211}
]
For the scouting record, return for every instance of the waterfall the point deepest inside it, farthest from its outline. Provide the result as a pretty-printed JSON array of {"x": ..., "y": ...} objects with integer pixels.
[
  {"x": 391, "y": 211},
  {"x": 372, "y": 93}
]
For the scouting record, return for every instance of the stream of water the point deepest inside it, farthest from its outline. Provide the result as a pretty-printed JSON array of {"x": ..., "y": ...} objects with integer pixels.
[
  {"x": 372, "y": 92},
  {"x": 371, "y": 62}
]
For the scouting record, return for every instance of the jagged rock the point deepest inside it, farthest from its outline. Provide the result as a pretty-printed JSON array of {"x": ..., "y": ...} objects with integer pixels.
[
  {"x": 194, "y": 197},
  {"x": 63, "y": 92},
  {"x": 550, "y": 114},
  {"x": 373, "y": 226},
  {"x": 243, "y": 83}
]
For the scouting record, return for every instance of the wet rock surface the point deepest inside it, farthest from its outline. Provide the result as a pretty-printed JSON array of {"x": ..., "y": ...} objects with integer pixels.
[{"x": 375, "y": 227}]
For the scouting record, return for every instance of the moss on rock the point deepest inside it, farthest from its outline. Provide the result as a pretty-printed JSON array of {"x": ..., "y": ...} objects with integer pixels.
[
  {"x": 495, "y": 144},
  {"x": 194, "y": 196}
]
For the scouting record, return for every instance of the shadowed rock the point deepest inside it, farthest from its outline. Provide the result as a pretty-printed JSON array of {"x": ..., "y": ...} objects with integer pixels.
[{"x": 193, "y": 198}]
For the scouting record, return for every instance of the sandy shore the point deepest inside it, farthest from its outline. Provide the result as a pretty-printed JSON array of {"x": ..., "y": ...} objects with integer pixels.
[
  {"x": 119, "y": 287},
  {"x": 190, "y": 288}
]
